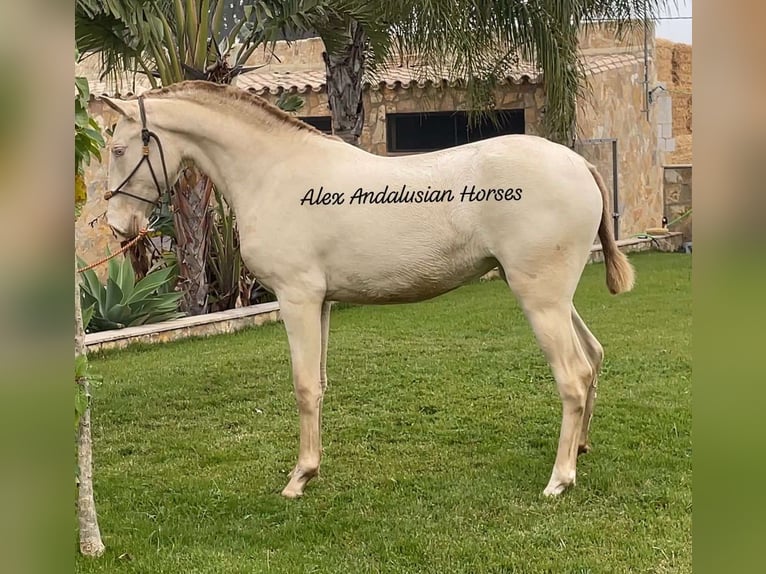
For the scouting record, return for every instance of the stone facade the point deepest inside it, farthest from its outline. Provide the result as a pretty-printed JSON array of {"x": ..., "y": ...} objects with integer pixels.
[
  {"x": 600, "y": 38},
  {"x": 429, "y": 98},
  {"x": 435, "y": 98},
  {"x": 677, "y": 191},
  {"x": 613, "y": 107}
]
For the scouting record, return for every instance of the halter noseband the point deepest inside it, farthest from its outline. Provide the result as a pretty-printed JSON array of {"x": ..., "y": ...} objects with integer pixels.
[{"x": 146, "y": 135}]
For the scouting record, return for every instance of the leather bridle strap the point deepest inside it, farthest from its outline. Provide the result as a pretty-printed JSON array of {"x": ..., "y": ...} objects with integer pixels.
[{"x": 146, "y": 136}]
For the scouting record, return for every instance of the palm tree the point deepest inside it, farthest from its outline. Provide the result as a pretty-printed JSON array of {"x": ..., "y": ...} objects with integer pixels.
[
  {"x": 478, "y": 41},
  {"x": 88, "y": 143},
  {"x": 170, "y": 41},
  {"x": 469, "y": 39},
  {"x": 356, "y": 35}
]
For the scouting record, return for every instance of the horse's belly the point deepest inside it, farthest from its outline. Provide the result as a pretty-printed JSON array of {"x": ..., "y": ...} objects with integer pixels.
[{"x": 402, "y": 283}]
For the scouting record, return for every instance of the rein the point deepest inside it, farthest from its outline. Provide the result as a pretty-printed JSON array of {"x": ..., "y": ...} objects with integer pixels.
[{"x": 123, "y": 249}]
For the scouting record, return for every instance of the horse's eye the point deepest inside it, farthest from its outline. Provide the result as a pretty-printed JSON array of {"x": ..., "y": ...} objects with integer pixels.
[{"x": 118, "y": 151}]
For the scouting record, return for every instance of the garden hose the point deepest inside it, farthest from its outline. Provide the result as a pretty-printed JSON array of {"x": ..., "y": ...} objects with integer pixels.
[{"x": 653, "y": 232}]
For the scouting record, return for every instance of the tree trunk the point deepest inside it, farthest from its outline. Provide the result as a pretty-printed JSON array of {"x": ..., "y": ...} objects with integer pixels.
[
  {"x": 139, "y": 258},
  {"x": 345, "y": 73},
  {"x": 90, "y": 534},
  {"x": 192, "y": 226}
]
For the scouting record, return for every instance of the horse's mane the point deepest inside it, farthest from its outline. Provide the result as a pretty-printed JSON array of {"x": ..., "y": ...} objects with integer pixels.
[{"x": 209, "y": 92}]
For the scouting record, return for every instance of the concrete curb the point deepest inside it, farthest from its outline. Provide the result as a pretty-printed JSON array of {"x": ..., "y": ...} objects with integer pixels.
[{"x": 200, "y": 325}]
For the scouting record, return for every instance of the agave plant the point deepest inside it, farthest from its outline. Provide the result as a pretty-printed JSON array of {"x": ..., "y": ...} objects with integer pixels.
[
  {"x": 123, "y": 302},
  {"x": 224, "y": 262}
]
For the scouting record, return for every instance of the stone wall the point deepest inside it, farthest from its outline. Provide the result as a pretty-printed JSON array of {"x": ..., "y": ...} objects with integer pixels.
[
  {"x": 229, "y": 321},
  {"x": 306, "y": 55},
  {"x": 430, "y": 98},
  {"x": 612, "y": 108},
  {"x": 93, "y": 238},
  {"x": 677, "y": 192},
  {"x": 674, "y": 70},
  {"x": 435, "y": 98},
  {"x": 298, "y": 55}
]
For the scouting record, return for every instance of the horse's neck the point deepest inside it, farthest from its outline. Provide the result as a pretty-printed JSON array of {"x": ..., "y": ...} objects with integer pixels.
[{"x": 228, "y": 150}]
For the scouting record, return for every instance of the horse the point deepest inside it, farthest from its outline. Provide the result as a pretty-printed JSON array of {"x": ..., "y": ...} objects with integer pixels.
[{"x": 322, "y": 221}]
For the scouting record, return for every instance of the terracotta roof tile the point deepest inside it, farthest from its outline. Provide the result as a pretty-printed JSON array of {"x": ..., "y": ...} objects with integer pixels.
[
  {"x": 275, "y": 80},
  {"x": 126, "y": 84},
  {"x": 402, "y": 77}
]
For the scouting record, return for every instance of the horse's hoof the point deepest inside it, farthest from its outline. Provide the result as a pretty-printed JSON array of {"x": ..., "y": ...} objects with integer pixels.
[
  {"x": 299, "y": 477},
  {"x": 291, "y": 492},
  {"x": 558, "y": 485},
  {"x": 553, "y": 490},
  {"x": 583, "y": 448}
]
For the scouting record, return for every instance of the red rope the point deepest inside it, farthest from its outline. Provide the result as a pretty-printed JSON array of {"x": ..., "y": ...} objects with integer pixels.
[{"x": 123, "y": 249}]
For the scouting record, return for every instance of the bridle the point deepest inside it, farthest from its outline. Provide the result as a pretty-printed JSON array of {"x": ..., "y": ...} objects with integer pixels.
[{"x": 146, "y": 135}]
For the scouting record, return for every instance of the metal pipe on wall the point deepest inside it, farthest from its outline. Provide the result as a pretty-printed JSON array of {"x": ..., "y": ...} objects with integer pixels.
[{"x": 615, "y": 194}]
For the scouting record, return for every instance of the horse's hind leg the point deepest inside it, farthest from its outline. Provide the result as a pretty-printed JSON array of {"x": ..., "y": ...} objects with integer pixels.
[
  {"x": 325, "y": 333},
  {"x": 595, "y": 353},
  {"x": 325, "y": 323},
  {"x": 545, "y": 295},
  {"x": 552, "y": 324}
]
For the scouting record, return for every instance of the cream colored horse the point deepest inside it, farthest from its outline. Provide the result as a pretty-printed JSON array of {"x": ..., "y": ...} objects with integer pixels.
[{"x": 323, "y": 221}]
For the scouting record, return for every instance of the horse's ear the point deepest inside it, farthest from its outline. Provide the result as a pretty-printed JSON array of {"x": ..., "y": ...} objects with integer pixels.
[{"x": 125, "y": 108}]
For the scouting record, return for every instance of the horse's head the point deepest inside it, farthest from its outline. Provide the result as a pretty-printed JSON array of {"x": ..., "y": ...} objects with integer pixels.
[{"x": 142, "y": 164}]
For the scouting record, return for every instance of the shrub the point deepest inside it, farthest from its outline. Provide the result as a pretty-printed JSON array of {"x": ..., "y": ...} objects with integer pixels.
[{"x": 123, "y": 302}]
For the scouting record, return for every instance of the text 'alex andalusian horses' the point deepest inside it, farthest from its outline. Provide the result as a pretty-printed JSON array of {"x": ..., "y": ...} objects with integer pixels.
[{"x": 323, "y": 221}]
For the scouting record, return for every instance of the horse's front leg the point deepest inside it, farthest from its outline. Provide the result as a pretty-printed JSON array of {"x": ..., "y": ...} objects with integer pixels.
[{"x": 303, "y": 324}]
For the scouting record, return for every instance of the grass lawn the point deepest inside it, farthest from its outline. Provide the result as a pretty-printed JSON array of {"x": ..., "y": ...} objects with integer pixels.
[{"x": 440, "y": 430}]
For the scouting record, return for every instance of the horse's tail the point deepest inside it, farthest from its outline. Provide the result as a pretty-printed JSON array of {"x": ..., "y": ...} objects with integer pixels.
[{"x": 620, "y": 275}]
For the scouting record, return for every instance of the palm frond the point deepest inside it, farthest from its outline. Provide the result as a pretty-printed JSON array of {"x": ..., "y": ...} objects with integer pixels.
[
  {"x": 119, "y": 33},
  {"x": 477, "y": 41}
]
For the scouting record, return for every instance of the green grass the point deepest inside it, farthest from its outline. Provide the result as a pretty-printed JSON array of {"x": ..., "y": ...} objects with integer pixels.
[{"x": 440, "y": 429}]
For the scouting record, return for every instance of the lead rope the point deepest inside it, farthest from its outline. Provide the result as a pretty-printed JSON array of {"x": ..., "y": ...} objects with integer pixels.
[{"x": 141, "y": 234}]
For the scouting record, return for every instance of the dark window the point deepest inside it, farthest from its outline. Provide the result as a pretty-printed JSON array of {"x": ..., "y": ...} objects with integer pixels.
[
  {"x": 421, "y": 132},
  {"x": 322, "y": 123}
]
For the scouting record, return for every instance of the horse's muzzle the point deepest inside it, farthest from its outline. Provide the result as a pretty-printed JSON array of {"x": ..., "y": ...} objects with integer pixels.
[{"x": 120, "y": 234}]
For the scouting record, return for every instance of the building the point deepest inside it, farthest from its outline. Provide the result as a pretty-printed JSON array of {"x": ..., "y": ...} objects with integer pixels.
[
  {"x": 624, "y": 122},
  {"x": 674, "y": 71}
]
